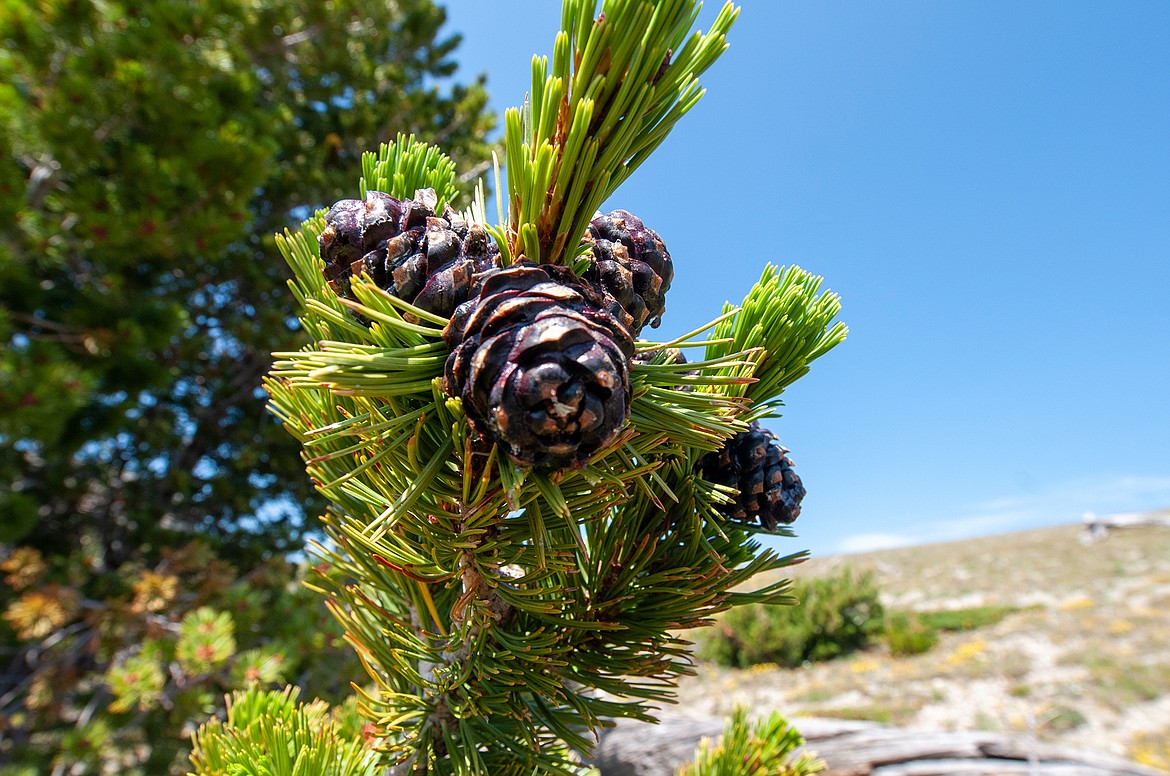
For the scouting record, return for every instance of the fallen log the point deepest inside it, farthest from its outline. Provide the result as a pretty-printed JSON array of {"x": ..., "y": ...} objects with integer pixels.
[{"x": 852, "y": 748}]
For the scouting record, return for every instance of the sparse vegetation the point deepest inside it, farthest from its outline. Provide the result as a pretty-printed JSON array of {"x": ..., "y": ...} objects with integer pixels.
[
  {"x": 964, "y": 619},
  {"x": 1129, "y": 681},
  {"x": 1152, "y": 749},
  {"x": 1061, "y": 719}
]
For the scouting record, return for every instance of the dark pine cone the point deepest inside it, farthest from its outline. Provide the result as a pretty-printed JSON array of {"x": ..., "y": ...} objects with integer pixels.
[
  {"x": 540, "y": 366},
  {"x": 754, "y": 463},
  {"x": 407, "y": 250},
  {"x": 631, "y": 267}
]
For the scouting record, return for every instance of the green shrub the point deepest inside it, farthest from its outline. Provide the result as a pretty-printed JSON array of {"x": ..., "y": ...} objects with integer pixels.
[
  {"x": 835, "y": 615},
  {"x": 907, "y": 634}
]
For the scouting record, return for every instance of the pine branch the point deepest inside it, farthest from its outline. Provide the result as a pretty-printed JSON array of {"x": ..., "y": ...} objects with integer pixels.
[
  {"x": 785, "y": 323},
  {"x": 505, "y": 610},
  {"x": 269, "y": 733},
  {"x": 764, "y": 748},
  {"x": 475, "y": 588}
]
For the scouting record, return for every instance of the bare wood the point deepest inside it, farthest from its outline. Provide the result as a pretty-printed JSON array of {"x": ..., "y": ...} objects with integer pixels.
[{"x": 853, "y": 748}]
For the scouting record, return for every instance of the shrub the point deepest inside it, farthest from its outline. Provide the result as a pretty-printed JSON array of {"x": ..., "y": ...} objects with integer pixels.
[
  {"x": 907, "y": 634},
  {"x": 912, "y": 633},
  {"x": 835, "y": 615}
]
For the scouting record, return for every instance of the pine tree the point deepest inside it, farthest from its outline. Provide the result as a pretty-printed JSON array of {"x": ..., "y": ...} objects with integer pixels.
[
  {"x": 148, "y": 152},
  {"x": 511, "y": 581}
]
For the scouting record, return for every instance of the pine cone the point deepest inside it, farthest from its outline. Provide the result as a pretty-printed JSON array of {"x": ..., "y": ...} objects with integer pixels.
[
  {"x": 540, "y": 366},
  {"x": 407, "y": 250},
  {"x": 631, "y": 268},
  {"x": 754, "y": 463}
]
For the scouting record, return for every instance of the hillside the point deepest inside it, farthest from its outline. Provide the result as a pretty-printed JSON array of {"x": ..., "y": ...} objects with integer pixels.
[{"x": 1084, "y": 661}]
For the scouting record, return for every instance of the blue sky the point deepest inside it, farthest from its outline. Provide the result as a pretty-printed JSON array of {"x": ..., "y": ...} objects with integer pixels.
[{"x": 987, "y": 185}]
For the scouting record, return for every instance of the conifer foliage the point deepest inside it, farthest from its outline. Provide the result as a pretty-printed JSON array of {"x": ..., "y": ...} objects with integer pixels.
[{"x": 519, "y": 525}]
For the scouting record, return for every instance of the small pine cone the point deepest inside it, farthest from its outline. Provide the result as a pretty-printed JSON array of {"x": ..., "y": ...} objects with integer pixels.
[
  {"x": 540, "y": 366},
  {"x": 430, "y": 261},
  {"x": 668, "y": 356},
  {"x": 631, "y": 267},
  {"x": 756, "y": 465}
]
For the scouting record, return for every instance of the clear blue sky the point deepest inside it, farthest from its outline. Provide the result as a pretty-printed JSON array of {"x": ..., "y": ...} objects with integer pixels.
[{"x": 987, "y": 185}]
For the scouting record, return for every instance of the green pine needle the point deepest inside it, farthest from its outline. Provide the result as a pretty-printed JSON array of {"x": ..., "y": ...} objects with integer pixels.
[
  {"x": 268, "y": 733},
  {"x": 786, "y": 323},
  {"x": 597, "y": 110},
  {"x": 764, "y": 748},
  {"x": 405, "y": 165}
]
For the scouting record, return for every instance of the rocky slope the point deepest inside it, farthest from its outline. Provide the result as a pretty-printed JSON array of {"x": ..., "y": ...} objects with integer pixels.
[{"x": 1085, "y": 661}]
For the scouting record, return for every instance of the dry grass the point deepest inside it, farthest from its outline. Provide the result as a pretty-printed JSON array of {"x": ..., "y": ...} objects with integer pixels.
[{"x": 1084, "y": 662}]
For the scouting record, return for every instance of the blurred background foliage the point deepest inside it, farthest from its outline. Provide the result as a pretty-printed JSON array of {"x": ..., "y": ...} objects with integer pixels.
[
  {"x": 150, "y": 152},
  {"x": 117, "y": 667},
  {"x": 148, "y": 504}
]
